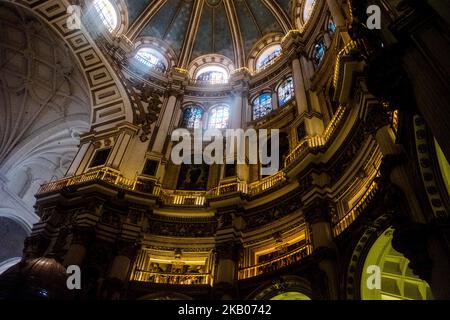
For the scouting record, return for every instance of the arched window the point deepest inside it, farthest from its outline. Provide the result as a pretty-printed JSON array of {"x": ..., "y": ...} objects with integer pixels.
[
  {"x": 331, "y": 26},
  {"x": 107, "y": 14},
  {"x": 286, "y": 91},
  {"x": 219, "y": 117},
  {"x": 152, "y": 59},
  {"x": 319, "y": 52},
  {"x": 308, "y": 9},
  {"x": 398, "y": 282},
  {"x": 268, "y": 57},
  {"x": 262, "y": 106},
  {"x": 213, "y": 75},
  {"x": 192, "y": 117}
]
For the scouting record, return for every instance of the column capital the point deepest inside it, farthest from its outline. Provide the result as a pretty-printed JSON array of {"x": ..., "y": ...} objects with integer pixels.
[
  {"x": 174, "y": 91},
  {"x": 292, "y": 44},
  {"x": 241, "y": 75}
]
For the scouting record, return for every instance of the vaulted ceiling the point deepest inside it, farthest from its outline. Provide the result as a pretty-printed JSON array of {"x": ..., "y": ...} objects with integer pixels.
[{"x": 197, "y": 27}]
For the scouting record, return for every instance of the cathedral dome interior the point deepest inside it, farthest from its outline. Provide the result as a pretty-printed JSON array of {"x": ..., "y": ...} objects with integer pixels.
[{"x": 225, "y": 149}]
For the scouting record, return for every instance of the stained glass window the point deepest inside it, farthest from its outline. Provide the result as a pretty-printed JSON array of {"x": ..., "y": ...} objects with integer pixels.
[
  {"x": 286, "y": 91},
  {"x": 192, "y": 117},
  {"x": 107, "y": 14},
  {"x": 149, "y": 57},
  {"x": 213, "y": 75},
  {"x": 219, "y": 117},
  {"x": 319, "y": 52},
  {"x": 308, "y": 9},
  {"x": 262, "y": 106},
  {"x": 332, "y": 26},
  {"x": 268, "y": 57}
]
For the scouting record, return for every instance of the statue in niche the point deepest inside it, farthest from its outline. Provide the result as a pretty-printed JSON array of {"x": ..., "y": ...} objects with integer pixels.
[{"x": 193, "y": 177}]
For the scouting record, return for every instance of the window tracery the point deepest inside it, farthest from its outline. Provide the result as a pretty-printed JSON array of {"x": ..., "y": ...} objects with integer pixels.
[
  {"x": 286, "y": 91},
  {"x": 262, "y": 106},
  {"x": 192, "y": 117},
  {"x": 219, "y": 117},
  {"x": 268, "y": 57}
]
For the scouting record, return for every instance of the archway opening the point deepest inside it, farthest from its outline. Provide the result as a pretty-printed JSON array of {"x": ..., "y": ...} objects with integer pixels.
[{"x": 397, "y": 281}]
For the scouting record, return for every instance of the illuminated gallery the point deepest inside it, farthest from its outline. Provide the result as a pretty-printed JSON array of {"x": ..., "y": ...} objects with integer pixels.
[{"x": 92, "y": 95}]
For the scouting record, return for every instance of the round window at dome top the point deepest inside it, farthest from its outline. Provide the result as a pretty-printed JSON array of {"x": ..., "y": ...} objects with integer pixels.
[
  {"x": 107, "y": 14},
  {"x": 151, "y": 58},
  {"x": 268, "y": 57},
  {"x": 212, "y": 75},
  {"x": 308, "y": 9}
]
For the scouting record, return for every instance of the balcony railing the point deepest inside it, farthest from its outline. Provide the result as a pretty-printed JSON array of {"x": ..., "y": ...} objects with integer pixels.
[
  {"x": 229, "y": 187},
  {"x": 309, "y": 143},
  {"x": 277, "y": 263},
  {"x": 183, "y": 198},
  {"x": 338, "y": 65},
  {"x": 172, "y": 278},
  {"x": 346, "y": 220},
  {"x": 266, "y": 183},
  {"x": 198, "y": 198},
  {"x": 167, "y": 197}
]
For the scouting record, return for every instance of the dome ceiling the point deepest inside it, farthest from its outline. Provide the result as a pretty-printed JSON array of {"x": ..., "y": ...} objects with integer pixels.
[{"x": 230, "y": 28}]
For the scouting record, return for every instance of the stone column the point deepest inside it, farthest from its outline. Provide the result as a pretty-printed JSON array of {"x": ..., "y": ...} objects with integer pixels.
[
  {"x": 299, "y": 86},
  {"x": 308, "y": 71},
  {"x": 412, "y": 68},
  {"x": 122, "y": 261},
  {"x": 81, "y": 237},
  {"x": 275, "y": 102},
  {"x": 118, "y": 275},
  {"x": 163, "y": 129},
  {"x": 236, "y": 111},
  {"x": 318, "y": 218},
  {"x": 228, "y": 249},
  {"x": 239, "y": 113},
  {"x": 394, "y": 159}
]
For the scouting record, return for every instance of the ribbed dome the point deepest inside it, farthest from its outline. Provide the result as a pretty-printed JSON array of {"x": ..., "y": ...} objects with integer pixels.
[
  {"x": 41, "y": 278},
  {"x": 229, "y": 28}
]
